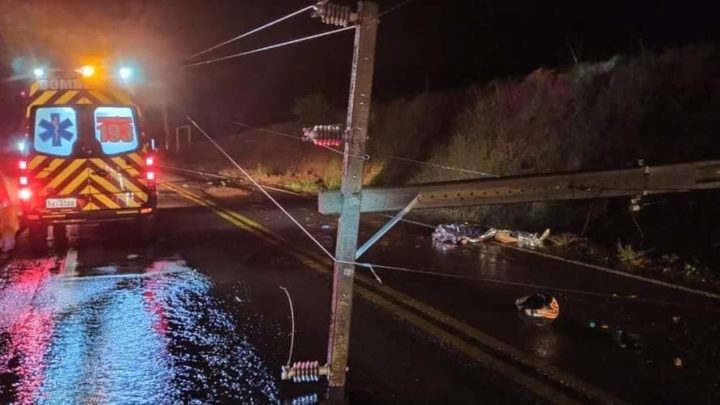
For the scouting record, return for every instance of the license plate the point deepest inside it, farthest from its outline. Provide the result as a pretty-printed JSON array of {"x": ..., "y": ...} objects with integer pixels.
[{"x": 61, "y": 203}]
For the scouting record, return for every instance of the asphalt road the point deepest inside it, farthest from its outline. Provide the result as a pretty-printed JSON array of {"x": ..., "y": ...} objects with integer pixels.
[{"x": 196, "y": 315}]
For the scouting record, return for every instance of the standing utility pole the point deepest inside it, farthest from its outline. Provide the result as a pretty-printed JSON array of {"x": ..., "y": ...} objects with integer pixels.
[
  {"x": 353, "y": 165},
  {"x": 365, "y": 21}
]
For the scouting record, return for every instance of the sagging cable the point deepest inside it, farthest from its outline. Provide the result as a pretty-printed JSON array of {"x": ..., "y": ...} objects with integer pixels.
[
  {"x": 259, "y": 187},
  {"x": 253, "y": 31},
  {"x": 269, "y": 47},
  {"x": 292, "y": 325}
]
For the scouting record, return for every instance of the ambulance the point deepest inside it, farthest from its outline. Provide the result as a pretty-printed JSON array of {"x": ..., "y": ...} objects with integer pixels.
[{"x": 85, "y": 158}]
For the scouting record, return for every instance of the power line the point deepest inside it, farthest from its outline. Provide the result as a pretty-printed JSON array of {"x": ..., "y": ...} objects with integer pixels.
[
  {"x": 253, "y": 31},
  {"x": 395, "y": 7},
  {"x": 268, "y": 131},
  {"x": 299, "y": 138},
  {"x": 269, "y": 47},
  {"x": 371, "y": 266},
  {"x": 535, "y": 286},
  {"x": 279, "y": 20},
  {"x": 390, "y": 157},
  {"x": 259, "y": 187},
  {"x": 435, "y": 165}
]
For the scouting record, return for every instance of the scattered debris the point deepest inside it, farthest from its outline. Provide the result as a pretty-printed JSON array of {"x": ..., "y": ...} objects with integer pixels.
[
  {"x": 238, "y": 299},
  {"x": 539, "y": 306},
  {"x": 133, "y": 256},
  {"x": 226, "y": 192},
  {"x": 471, "y": 233},
  {"x": 325, "y": 227},
  {"x": 627, "y": 340},
  {"x": 457, "y": 233},
  {"x": 676, "y": 319}
]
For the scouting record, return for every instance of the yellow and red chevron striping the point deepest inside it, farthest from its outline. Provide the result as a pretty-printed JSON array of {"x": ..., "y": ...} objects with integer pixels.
[{"x": 106, "y": 183}]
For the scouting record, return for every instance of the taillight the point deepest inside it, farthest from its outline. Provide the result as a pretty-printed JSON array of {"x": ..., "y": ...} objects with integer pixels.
[
  {"x": 25, "y": 194},
  {"x": 149, "y": 172}
]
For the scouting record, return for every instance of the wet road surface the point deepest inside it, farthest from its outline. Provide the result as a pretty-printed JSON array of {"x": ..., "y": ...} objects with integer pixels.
[{"x": 196, "y": 315}]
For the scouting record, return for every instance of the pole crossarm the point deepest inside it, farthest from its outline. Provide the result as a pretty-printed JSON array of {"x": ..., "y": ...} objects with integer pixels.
[{"x": 644, "y": 180}]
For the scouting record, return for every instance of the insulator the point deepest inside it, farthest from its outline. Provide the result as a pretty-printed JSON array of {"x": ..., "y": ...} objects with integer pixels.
[
  {"x": 306, "y": 400},
  {"x": 304, "y": 371},
  {"x": 334, "y": 14},
  {"x": 324, "y": 135}
]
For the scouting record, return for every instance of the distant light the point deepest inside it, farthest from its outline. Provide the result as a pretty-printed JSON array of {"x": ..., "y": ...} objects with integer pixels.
[
  {"x": 21, "y": 146},
  {"x": 23, "y": 180},
  {"x": 87, "y": 70},
  {"x": 125, "y": 73},
  {"x": 39, "y": 72}
]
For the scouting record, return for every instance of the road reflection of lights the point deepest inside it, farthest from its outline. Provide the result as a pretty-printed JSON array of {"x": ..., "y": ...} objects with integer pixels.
[
  {"x": 156, "y": 339},
  {"x": 29, "y": 329},
  {"x": 545, "y": 344},
  {"x": 542, "y": 338}
]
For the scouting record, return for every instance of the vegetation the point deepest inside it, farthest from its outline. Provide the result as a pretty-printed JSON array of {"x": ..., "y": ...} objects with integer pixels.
[
  {"x": 627, "y": 253},
  {"x": 661, "y": 108}
]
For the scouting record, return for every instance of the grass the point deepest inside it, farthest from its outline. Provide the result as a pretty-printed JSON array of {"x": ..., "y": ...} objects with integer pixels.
[
  {"x": 626, "y": 252},
  {"x": 589, "y": 116}
]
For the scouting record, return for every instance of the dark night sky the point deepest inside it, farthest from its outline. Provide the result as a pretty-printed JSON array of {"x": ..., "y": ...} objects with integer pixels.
[{"x": 442, "y": 44}]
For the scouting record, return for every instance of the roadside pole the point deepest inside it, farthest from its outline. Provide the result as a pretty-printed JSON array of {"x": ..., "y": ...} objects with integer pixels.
[{"x": 351, "y": 186}]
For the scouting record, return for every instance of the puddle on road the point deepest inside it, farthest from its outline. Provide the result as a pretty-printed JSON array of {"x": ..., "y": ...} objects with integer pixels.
[{"x": 155, "y": 337}]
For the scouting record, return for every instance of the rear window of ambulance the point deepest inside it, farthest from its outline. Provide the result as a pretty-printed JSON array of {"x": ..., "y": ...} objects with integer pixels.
[
  {"x": 116, "y": 130},
  {"x": 56, "y": 130}
]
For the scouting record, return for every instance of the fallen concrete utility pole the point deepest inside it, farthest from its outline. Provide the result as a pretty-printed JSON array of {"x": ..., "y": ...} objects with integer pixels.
[{"x": 645, "y": 180}]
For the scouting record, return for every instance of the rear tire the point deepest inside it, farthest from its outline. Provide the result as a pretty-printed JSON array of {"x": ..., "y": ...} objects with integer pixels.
[
  {"x": 146, "y": 229},
  {"x": 37, "y": 235},
  {"x": 59, "y": 234}
]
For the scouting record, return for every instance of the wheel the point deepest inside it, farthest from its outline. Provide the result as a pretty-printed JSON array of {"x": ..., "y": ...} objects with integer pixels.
[
  {"x": 37, "y": 235},
  {"x": 59, "y": 232},
  {"x": 146, "y": 229}
]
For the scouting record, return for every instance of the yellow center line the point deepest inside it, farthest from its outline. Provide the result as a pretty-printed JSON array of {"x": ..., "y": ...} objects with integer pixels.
[{"x": 324, "y": 265}]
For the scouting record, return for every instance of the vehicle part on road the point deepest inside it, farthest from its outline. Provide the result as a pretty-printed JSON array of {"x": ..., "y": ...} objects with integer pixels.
[
  {"x": 627, "y": 340},
  {"x": 539, "y": 305},
  {"x": 304, "y": 371},
  {"x": 471, "y": 233},
  {"x": 461, "y": 233},
  {"x": 426, "y": 318}
]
